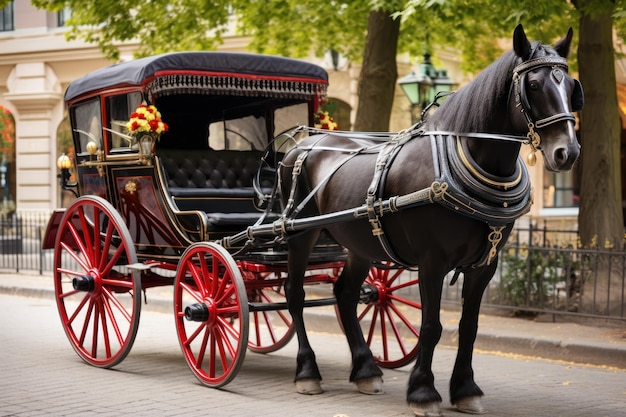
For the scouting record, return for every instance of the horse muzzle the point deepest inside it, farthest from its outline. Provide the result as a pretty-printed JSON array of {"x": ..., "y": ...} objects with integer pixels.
[{"x": 562, "y": 157}]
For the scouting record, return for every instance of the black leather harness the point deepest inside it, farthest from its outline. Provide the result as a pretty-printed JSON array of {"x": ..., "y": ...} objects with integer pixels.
[{"x": 459, "y": 186}]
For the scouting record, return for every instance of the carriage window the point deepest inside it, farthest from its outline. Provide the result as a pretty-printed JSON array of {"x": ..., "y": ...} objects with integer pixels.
[
  {"x": 243, "y": 134},
  {"x": 88, "y": 124},
  {"x": 286, "y": 118},
  {"x": 561, "y": 190},
  {"x": 119, "y": 109}
]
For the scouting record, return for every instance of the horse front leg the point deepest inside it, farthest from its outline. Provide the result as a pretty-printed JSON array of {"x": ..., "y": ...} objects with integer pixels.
[
  {"x": 308, "y": 376},
  {"x": 366, "y": 375},
  {"x": 422, "y": 395},
  {"x": 464, "y": 392}
]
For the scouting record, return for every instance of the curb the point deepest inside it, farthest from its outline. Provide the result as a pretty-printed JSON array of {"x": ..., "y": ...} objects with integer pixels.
[{"x": 321, "y": 320}]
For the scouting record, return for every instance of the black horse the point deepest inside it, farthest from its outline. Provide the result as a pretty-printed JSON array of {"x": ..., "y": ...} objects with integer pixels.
[{"x": 473, "y": 187}]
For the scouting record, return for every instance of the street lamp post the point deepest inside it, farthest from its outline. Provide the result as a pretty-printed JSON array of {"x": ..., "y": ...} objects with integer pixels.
[{"x": 421, "y": 87}]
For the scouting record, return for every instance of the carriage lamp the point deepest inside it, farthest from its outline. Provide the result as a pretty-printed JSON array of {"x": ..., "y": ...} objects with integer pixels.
[
  {"x": 64, "y": 163},
  {"x": 422, "y": 85}
]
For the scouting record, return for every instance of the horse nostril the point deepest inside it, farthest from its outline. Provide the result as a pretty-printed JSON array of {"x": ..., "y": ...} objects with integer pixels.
[{"x": 560, "y": 155}]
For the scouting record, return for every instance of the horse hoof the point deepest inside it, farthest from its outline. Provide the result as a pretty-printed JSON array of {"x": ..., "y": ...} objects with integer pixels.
[
  {"x": 426, "y": 409},
  {"x": 470, "y": 405},
  {"x": 371, "y": 386},
  {"x": 309, "y": 386}
]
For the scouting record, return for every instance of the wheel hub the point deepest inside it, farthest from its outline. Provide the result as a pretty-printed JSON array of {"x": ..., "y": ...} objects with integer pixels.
[
  {"x": 369, "y": 294},
  {"x": 84, "y": 283},
  {"x": 197, "y": 312}
]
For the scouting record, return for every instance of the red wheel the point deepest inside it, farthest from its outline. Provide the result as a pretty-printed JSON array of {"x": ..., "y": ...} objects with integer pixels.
[
  {"x": 211, "y": 309},
  {"x": 388, "y": 321},
  {"x": 98, "y": 297},
  {"x": 270, "y": 330}
]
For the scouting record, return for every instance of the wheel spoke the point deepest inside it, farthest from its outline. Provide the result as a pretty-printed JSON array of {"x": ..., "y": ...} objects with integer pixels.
[
  {"x": 110, "y": 297},
  {"x": 390, "y": 280},
  {"x": 87, "y": 248},
  {"x": 87, "y": 322},
  {"x": 403, "y": 285},
  {"x": 192, "y": 292},
  {"x": 113, "y": 319},
  {"x": 205, "y": 339},
  {"x": 75, "y": 256},
  {"x": 96, "y": 327},
  {"x": 105, "y": 328},
  {"x": 404, "y": 319},
  {"x": 113, "y": 261},
  {"x": 383, "y": 332},
  {"x": 370, "y": 334},
  {"x": 365, "y": 311},
  {"x": 405, "y": 301},
  {"x": 396, "y": 332},
  {"x": 224, "y": 340}
]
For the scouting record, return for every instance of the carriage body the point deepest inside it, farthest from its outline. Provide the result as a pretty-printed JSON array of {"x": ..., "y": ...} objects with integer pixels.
[
  {"x": 150, "y": 209},
  {"x": 195, "y": 183}
]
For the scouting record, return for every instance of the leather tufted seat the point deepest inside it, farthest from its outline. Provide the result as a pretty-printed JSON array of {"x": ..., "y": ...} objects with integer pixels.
[{"x": 216, "y": 182}]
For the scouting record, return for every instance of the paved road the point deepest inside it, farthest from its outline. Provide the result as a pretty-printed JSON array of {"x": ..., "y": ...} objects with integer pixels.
[{"x": 41, "y": 375}]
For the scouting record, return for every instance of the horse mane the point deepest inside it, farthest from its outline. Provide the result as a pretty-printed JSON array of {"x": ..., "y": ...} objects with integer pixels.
[{"x": 481, "y": 105}]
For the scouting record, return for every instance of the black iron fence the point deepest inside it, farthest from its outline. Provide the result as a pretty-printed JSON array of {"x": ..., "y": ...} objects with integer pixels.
[
  {"x": 541, "y": 270},
  {"x": 20, "y": 242}
]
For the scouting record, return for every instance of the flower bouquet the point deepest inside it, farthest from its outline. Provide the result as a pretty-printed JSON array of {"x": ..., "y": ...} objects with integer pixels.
[
  {"x": 324, "y": 121},
  {"x": 146, "y": 126}
]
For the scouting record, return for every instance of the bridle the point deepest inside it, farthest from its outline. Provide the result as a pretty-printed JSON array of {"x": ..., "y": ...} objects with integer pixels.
[{"x": 559, "y": 69}]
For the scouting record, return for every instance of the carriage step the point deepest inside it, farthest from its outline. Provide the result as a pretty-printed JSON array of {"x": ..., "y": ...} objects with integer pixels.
[
  {"x": 138, "y": 267},
  {"x": 283, "y": 306}
]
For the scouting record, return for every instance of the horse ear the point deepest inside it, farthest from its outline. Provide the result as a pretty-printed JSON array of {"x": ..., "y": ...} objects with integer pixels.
[
  {"x": 521, "y": 45},
  {"x": 562, "y": 46}
]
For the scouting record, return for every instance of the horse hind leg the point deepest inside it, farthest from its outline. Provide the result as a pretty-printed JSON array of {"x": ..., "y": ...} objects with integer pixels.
[
  {"x": 366, "y": 375},
  {"x": 464, "y": 392},
  {"x": 308, "y": 377}
]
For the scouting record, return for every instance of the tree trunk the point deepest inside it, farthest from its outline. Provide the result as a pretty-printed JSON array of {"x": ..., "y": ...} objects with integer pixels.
[
  {"x": 600, "y": 217},
  {"x": 379, "y": 73}
]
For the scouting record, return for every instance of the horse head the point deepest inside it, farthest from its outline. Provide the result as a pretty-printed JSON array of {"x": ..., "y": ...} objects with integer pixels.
[{"x": 545, "y": 97}]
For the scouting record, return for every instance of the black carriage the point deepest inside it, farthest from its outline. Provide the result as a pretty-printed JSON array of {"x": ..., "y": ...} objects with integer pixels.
[{"x": 156, "y": 210}]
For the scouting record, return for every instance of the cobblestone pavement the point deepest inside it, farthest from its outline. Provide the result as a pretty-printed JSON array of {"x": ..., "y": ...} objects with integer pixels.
[{"x": 41, "y": 375}]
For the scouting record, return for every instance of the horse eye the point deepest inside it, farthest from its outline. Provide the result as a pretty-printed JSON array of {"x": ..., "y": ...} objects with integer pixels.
[{"x": 533, "y": 85}]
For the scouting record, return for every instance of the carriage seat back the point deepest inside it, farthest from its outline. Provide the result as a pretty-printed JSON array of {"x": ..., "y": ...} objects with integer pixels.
[{"x": 216, "y": 182}]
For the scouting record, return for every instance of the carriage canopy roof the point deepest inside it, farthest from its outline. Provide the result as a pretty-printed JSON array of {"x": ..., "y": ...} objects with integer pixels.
[{"x": 209, "y": 73}]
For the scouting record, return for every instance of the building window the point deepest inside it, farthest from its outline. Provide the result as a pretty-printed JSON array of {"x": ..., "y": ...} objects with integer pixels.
[
  {"x": 6, "y": 18},
  {"x": 561, "y": 189},
  {"x": 62, "y": 17}
]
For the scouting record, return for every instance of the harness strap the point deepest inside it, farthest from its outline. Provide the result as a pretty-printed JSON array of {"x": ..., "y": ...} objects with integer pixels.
[
  {"x": 323, "y": 182},
  {"x": 375, "y": 191}
]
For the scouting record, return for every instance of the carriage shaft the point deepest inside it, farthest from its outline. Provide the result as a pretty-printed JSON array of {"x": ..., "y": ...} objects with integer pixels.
[{"x": 283, "y": 227}]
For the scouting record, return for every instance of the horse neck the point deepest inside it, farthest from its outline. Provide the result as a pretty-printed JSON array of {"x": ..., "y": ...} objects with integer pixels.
[{"x": 484, "y": 106}]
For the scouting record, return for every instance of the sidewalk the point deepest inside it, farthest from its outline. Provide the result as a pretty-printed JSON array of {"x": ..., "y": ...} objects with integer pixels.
[{"x": 571, "y": 342}]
